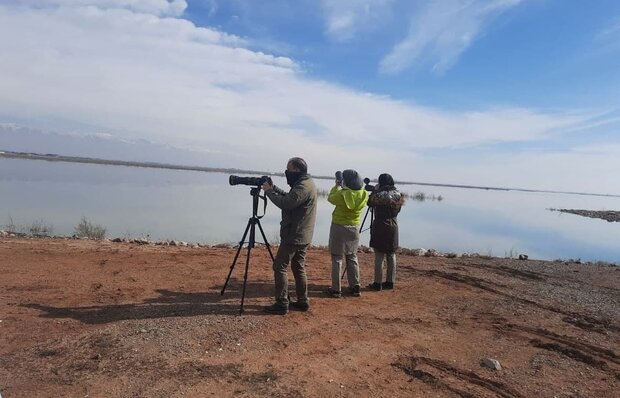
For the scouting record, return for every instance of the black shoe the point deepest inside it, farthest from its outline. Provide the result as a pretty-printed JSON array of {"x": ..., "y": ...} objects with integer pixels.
[
  {"x": 375, "y": 286},
  {"x": 276, "y": 309},
  {"x": 387, "y": 285},
  {"x": 299, "y": 305},
  {"x": 356, "y": 291},
  {"x": 334, "y": 293}
]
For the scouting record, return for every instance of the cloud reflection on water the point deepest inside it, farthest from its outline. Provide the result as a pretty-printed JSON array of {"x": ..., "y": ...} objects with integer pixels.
[{"x": 203, "y": 207}]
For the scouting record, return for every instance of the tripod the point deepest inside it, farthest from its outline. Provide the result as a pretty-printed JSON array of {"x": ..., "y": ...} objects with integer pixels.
[{"x": 251, "y": 228}]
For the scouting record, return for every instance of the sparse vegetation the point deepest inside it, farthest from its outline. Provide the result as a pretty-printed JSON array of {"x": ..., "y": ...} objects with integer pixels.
[
  {"x": 40, "y": 228},
  {"x": 37, "y": 228},
  {"x": 489, "y": 255},
  {"x": 421, "y": 196},
  {"x": 605, "y": 264},
  {"x": 512, "y": 253},
  {"x": 10, "y": 226},
  {"x": 86, "y": 229}
]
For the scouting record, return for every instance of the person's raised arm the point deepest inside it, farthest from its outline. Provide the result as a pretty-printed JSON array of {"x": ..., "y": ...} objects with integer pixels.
[
  {"x": 286, "y": 201},
  {"x": 335, "y": 196}
]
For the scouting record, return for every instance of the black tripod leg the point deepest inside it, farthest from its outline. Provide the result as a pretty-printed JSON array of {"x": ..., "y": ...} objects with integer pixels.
[
  {"x": 247, "y": 264},
  {"x": 260, "y": 227},
  {"x": 364, "y": 220},
  {"x": 372, "y": 216},
  {"x": 245, "y": 280},
  {"x": 236, "y": 256}
]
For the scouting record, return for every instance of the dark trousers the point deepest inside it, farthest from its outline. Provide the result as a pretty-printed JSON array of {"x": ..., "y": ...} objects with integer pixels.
[{"x": 296, "y": 255}]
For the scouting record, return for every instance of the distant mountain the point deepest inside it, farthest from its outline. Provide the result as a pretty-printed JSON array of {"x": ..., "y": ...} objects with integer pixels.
[{"x": 17, "y": 138}]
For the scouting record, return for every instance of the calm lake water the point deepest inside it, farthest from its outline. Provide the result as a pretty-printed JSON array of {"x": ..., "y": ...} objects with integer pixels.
[{"x": 203, "y": 207}]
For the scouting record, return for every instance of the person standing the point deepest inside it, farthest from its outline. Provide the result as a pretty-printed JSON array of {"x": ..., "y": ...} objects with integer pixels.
[
  {"x": 386, "y": 203},
  {"x": 296, "y": 229},
  {"x": 349, "y": 197}
]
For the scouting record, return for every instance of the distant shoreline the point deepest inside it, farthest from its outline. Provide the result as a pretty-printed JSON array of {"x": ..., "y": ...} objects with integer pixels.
[
  {"x": 607, "y": 215},
  {"x": 50, "y": 157}
]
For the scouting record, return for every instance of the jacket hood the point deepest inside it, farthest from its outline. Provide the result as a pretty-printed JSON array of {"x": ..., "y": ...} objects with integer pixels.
[
  {"x": 352, "y": 179},
  {"x": 355, "y": 199}
]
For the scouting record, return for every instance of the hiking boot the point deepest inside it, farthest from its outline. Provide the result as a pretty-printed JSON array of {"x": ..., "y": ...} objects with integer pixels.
[
  {"x": 375, "y": 286},
  {"x": 299, "y": 305},
  {"x": 356, "y": 291},
  {"x": 276, "y": 309},
  {"x": 334, "y": 293},
  {"x": 387, "y": 285}
]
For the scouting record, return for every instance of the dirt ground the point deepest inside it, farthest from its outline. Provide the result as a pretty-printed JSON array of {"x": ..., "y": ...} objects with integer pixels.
[{"x": 102, "y": 319}]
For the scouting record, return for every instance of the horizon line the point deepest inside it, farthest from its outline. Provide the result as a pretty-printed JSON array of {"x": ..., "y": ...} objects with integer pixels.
[{"x": 52, "y": 157}]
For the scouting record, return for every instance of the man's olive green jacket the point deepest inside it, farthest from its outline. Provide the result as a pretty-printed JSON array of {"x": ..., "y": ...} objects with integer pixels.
[{"x": 298, "y": 211}]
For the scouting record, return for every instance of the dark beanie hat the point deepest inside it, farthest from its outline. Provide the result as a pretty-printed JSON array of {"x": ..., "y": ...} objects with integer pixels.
[
  {"x": 385, "y": 180},
  {"x": 352, "y": 180}
]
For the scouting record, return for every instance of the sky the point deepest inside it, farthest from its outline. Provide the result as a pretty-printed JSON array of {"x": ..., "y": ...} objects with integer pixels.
[{"x": 508, "y": 93}]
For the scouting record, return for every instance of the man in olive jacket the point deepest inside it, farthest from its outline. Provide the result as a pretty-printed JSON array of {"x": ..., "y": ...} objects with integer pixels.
[{"x": 296, "y": 230}]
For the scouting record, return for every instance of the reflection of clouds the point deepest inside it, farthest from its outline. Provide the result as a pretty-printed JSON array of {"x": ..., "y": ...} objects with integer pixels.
[
  {"x": 529, "y": 210},
  {"x": 203, "y": 207},
  {"x": 516, "y": 220},
  {"x": 453, "y": 237},
  {"x": 499, "y": 221},
  {"x": 450, "y": 229}
]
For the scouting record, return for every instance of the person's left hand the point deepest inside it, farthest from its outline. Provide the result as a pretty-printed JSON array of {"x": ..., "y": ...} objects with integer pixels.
[{"x": 267, "y": 186}]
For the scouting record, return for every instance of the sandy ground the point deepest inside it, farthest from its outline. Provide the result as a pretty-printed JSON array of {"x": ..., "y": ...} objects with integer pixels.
[{"x": 101, "y": 319}]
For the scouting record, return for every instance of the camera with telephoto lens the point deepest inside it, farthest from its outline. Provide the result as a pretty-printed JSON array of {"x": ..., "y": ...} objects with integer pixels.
[
  {"x": 251, "y": 181},
  {"x": 367, "y": 185}
]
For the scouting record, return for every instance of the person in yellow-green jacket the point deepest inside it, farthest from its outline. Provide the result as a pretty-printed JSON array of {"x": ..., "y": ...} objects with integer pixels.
[{"x": 350, "y": 198}]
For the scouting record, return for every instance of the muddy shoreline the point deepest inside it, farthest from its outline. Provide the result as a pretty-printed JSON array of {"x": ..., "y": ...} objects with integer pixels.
[
  {"x": 401, "y": 250},
  {"x": 607, "y": 215}
]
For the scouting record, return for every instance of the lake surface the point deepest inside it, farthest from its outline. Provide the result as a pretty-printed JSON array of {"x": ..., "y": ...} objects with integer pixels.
[{"x": 202, "y": 207}]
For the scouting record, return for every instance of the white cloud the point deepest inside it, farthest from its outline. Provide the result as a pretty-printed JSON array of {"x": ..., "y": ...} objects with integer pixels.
[
  {"x": 605, "y": 150},
  {"x": 612, "y": 30},
  {"x": 441, "y": 31},
  {"x": 345, "y": 18},
  {"x": 156, "y": 7},
  {"x": 137, "y": 75},
  {"x": 608, "y": 38}
]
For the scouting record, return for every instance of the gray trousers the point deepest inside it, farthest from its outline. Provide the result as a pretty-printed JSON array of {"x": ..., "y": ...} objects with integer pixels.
[
  {"x": 296, "y": 255},
  {"x": 391, "y": 266},
  {"x": 353, "y": 270},
  {"x": 343, "y": 243}
]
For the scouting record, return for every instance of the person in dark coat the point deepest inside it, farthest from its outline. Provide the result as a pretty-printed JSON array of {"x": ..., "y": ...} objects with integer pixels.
[
  {"x": 386, "y": 203},
  {"x": 296, "y": 229}
]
